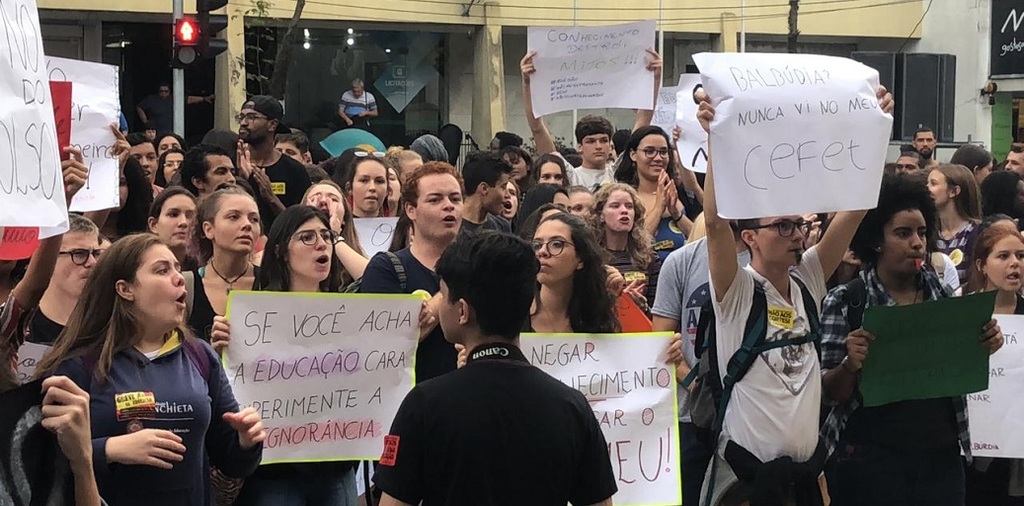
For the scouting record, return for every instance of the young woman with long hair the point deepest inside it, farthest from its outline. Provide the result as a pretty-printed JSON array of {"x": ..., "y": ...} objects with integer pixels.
[
  {"x": 168, "y": 167},
  {"x": 367, "y": 186},
  {"x": 618, "y": 220},
  {"x": 298, "y": 258},
  {"x": 172, "y": 217},
  {"x": 649, "y": 167},
  {"x": 126, "y": 346},
  {"x": 228, "y": 228},
  {"x": 329, "y": 199},
  {"x": 550, "y": 169},
  {"x": 955, "y": 192}
]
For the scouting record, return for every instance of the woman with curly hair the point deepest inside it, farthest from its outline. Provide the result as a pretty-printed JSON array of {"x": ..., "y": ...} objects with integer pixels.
[{"x": 619, "y": 223}]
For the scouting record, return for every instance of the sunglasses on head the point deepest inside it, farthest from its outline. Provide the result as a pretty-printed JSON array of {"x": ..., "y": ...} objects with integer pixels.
[{"x": 364, "y": 154}]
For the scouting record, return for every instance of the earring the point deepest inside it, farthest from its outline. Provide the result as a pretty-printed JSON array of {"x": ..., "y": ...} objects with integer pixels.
[{"x": 878, "y": 249}]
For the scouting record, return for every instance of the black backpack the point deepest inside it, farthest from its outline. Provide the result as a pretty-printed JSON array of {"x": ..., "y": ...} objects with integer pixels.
[{"x": 711, "y": 394}]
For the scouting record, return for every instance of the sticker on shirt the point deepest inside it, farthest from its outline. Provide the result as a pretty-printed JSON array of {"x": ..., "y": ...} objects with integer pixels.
[
  {"x": 667, "y": 244},
  {"x": 390, "y": 455},
  {"x": 632, "y": 276},
  {"x": 781, "y": 317},
  {"x": 956, "y": 256},
  {"x": 675, "y": 228},
  {"x": 278, "y": 188},
  {"x": 135, "y": 405},
  {"x": 792, "y": 365}
]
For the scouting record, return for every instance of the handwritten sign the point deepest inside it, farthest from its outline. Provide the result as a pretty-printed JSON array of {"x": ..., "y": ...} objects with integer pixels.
[
  {"x": 693, "y": 142},
  {"x": 596, "y": 67},
  {"x": 326, "y": 372},
  {"x": 997, "y": 414},
  {"x": 665, "y": 109},
  {"x": 30, "y": 174},
  {"x": 787, "y": 123},
  {"x": 28, "y": 356},
  {"x": 95, "y": 105},
  {"x": 633, "y": 394},
  {"x": 375, "y": 234}
]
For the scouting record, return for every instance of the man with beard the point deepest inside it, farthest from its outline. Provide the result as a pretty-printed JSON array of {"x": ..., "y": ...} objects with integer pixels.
[
  {"x": 270, "y": 173},
  {"x": 924, "y": 143}
]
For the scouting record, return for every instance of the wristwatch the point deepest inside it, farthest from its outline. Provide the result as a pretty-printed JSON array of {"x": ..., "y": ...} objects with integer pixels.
[{"x": 338, "y": 238}]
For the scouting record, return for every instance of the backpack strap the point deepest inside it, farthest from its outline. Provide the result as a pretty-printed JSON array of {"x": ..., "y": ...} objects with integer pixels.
[
  {"x": 190, "y": 292},
  {"x": 813, "y": 318},
  {"x": 399, "y": 270},
  {"x": 753, "y": 337},
  {"x": 855, "y": 299}
]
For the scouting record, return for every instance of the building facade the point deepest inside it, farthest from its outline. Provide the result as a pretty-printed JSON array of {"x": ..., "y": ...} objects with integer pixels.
[{"x": 433, "y": 62}]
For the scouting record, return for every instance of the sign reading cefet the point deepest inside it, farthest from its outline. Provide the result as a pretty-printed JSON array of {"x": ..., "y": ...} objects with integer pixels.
[{"x": 1007, "y": 38}]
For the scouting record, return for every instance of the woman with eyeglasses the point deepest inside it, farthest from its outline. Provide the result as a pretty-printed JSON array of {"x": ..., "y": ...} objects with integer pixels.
[
  {"x": 618, "y": 220},
  {"x": 366, "y": 183},
  {"x": 956, "y": 195},
  {"x": 172, "y": 217},
  {"x": 126, "y": 346},
  {"x": 572, "y": 296},
  {"x": 298, "y": 258},
  {"x": 228, "y": 229},
  {"x": 168, "y": 166},
  {"x": 649, "y": 167},
  {"x": 330, "y": 200}
]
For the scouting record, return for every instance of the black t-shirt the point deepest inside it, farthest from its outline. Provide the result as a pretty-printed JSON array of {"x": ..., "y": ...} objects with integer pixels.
[
  {"x": 290, "y": 181},
  {"x": 496, "y": 432},
  {"x": 434, "y": 356},
  {"x": 43, "y": 330},
  {"x": 492, "y": 222}
]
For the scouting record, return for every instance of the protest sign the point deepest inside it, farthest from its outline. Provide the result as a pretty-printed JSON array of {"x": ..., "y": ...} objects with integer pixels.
[
  {"x": 633, "y": 394},
  {"x": 591, "y": 67},
  {"x": 30, "y": 173},
  {"x": 60, "y": 93},
  {"x": 375, "y": 234},
  {"x": 33, "y": 471},
  {"x": 926, "y": 351},
  {"x": 28, "y": 356},
  {"x": 693, "y": 142},
  {"x": 95, "y": 106},
  {"x": 794, "y": 133},
  {"x": 665, "y": 109},
  {"x": 997, "y": 414},
  {"x": 18, "y": 243},
  {"x": 326, "y": 372}
]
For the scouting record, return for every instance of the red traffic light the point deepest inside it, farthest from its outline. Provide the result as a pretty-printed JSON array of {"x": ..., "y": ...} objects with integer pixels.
[{"x": 186, "y": 32}]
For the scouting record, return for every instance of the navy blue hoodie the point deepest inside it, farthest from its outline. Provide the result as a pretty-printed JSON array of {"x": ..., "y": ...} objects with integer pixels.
[{"x": 170, "y": 393}]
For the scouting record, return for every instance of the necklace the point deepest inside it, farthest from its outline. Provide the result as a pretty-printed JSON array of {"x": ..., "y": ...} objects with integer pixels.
[{"x": 230, "y": 282}]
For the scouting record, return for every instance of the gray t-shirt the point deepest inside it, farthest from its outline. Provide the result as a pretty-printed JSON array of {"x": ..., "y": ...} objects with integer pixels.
[{"x": 685, "y": 277}]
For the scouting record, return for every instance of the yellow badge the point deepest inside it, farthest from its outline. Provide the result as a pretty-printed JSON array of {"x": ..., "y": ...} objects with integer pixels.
[
  {"x": 781, "y": 317},
  {"x": 664, "y": 245},
  {"x": 278, "y": 188},
  {"x": 634, "y": 276},
  {"x": 132, "y": 405},
  {"x": 956, "y": 256}
]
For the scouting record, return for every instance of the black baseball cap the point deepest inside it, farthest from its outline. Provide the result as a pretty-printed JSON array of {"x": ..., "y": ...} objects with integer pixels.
[{"x": 269, "y": 107}]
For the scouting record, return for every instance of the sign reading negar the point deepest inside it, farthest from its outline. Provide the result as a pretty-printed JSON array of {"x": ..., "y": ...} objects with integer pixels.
[{"x": 1007, "y": 39}]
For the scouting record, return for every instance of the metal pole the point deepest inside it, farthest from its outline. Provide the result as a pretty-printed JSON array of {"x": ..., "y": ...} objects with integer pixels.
[
  {"x": 575, "y": 112},
  {"x": 178, "y": 76},
  {"x": 743, "y": 26},
  {"x": 661, "y": 30}
]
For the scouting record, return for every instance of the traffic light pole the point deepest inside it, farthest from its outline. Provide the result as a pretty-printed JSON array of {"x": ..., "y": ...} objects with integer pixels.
[{"x": 178, "y": 77}]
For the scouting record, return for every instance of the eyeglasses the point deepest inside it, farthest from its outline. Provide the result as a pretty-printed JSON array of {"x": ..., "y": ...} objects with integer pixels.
[
  {"x": 364, "y": 154},
  {"x": 650, "y": 152},
  {"x": 242, "y": 118},
  {"x": 554, "y": 247},
  {"x": 308, "y": 237},
  {"x": 785, "y": 228},
  {"x": 81, "y": 256}
]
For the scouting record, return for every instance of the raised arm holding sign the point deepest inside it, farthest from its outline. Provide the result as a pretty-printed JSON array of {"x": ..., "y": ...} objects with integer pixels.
[{"x": 794, "y": 133}]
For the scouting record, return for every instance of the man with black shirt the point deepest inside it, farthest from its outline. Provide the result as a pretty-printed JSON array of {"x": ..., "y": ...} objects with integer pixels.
[
  {"x": 486, "y": 175},
  {"x": 271, "y": 174},
  {"x": 497, "y": 431}
]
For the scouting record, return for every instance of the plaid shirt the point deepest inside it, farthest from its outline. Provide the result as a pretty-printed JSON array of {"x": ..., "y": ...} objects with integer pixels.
[{"x": 834, "y": 329}]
